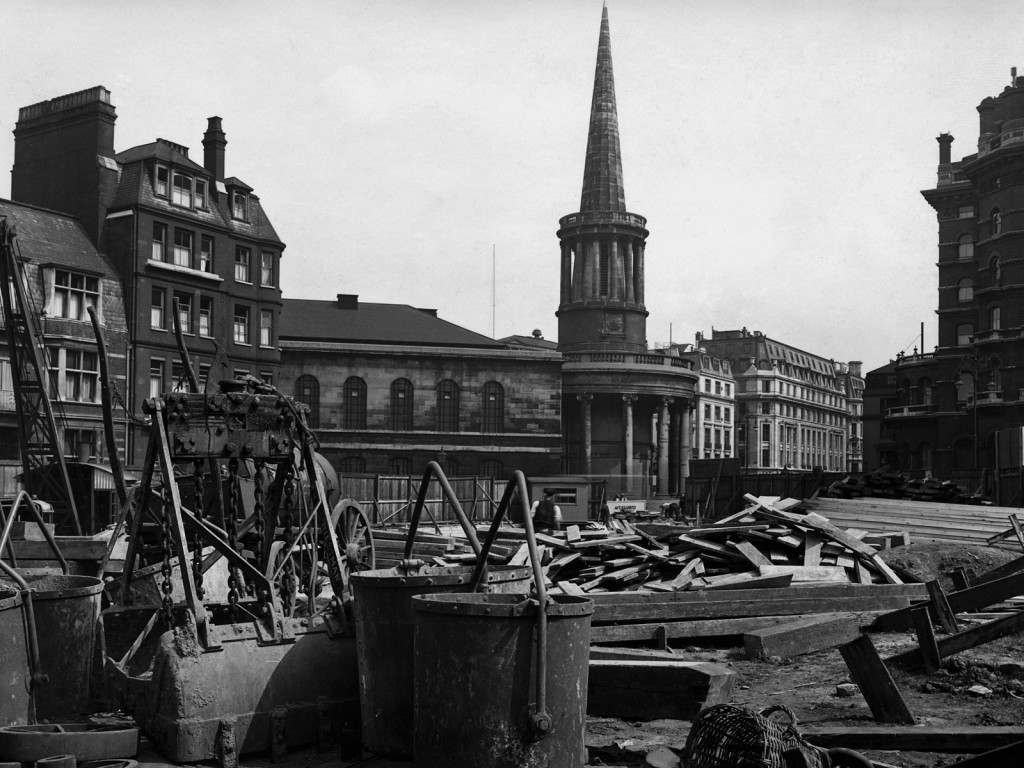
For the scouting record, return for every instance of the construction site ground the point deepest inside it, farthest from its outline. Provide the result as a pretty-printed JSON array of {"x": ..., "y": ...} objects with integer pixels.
[{"x": 807, "y": 685}]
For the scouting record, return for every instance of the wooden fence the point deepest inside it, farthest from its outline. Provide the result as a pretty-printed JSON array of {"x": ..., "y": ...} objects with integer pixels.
[
  {"x": 389, "y": 499},
  {"x": 714, "y": 497}
]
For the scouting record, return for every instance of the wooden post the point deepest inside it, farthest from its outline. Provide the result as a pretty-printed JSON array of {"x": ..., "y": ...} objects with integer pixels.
[
  {"x": 922, "y": 619},
  {"x": 940, "y": 607},
  {"x": 875, "y": 682}
]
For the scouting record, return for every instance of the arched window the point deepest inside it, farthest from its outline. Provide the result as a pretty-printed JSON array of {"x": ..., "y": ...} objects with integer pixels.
[
  {"x": 401, "y": 405},
  {"x": 964, "y": 334},
  {"x": 494, "y": 407},
  {"x": 924, "y": 388},
  {"x": 965, "y": 247},
  {"x": 996, "y": 268},
  {"x": 964, "y": 387},
  {"x": 994, "y": 318},
  {"x": 965, "y": 290},
  {"x": 997, "y": 222},
  {"x": 307, "y": 390},
  {"x": 354, "y": 408},
  {"x": 352, "y": 464},
  {"x": 447, "y": 406},
  {"x": 492, "y": 468}
]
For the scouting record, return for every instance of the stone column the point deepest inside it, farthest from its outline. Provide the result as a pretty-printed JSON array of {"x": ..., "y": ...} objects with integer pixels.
[
  {"x": 627, "y": 417},
  {"x": 674, "y": 441},
  {"x": 614, "y": 270},
  {"x": 663, "y": 447},
  {"x": 577, "y": 272},
  {"x": 640, "y": 247},
  {"x": 687, "y": 445},
  {"x": 589, "y": 270},
  {"x": 566, "y": 293},
  {"x": 585, "y": 400},
  {"x": 627, "y": 249}
]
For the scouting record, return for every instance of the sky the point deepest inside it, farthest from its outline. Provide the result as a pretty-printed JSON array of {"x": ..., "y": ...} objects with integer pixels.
[{"x": 777, "y": 149}]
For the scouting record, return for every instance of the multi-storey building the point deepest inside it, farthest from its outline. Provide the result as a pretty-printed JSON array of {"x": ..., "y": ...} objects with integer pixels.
[
  {"x": 184, "y": 238},
  {"x": 852, "y": 382},
  {"x": 939, "y": 411},
  {"x": 390, "y": 387},
  {"x": 627, "y": 408},
  {"x": 792, "y": 406},
  {"x": 714, "y": 413}
]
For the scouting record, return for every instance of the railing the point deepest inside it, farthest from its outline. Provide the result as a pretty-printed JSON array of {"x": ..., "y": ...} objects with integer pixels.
[
  {"x": 628, "y": 358},
  {"x": 910, "y": 410},
  {"x": 604, "y": 217},
  {"x": 994, "y": 334}
]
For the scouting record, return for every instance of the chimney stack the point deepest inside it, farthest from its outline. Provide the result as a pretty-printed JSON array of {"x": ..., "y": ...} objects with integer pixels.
[
  {"x": 214, "y": 143},
  {"x": 945, "y": 147}
]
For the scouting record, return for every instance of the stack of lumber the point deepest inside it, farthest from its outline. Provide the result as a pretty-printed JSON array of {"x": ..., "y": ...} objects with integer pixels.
[
  {"x": 764, "y": 546},
  {"x": 923, "y": 520},
  {"x": 431, "y": 548},
  {"x": 895, "y": 485}
]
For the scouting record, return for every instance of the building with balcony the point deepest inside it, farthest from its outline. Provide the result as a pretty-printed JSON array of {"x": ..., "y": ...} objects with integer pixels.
[
  {"x": 183, "y": 237},
  {"x": 390, "y": 387},
  {"x": 792, "y": 406},
  {"x": 940, "y": 411},
  {"x": 712, "y": 432},
  {"x": 626, "y": 408}
]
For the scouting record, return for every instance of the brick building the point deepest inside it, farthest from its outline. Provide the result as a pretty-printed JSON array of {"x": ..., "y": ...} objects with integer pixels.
[
  {"x": 792, "y": 406},
  {"x": 940, "y": 411},
  {"x": 391, "y": 387},
  {"x": 177, "y": 233},
  {"x": 65, "y": 275},
  {"x": 626, "y": 408}
]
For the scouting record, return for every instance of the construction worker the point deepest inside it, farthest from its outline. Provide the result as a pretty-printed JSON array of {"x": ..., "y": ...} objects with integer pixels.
[{"x": 545, "y": 512}]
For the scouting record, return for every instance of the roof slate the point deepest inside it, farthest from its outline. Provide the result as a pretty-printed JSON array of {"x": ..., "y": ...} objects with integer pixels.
[
  {"x": 374, "y": 323},
  {"x": 49, "y": 237}
]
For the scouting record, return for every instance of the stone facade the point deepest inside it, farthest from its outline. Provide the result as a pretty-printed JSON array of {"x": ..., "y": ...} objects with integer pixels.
[
  {"x": 940, "y": 411},
  {"x": 174, "y": 230}
]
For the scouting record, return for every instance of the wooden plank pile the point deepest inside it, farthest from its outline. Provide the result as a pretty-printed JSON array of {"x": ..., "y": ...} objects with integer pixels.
[
  {"x": 895, "y": 485},
  {"x": 922, "y": 520}
]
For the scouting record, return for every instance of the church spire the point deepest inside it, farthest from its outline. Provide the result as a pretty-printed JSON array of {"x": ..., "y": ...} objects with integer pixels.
[{"x": 602, "y": 173}]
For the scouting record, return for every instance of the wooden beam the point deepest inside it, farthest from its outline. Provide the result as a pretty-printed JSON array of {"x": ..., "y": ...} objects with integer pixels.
[
  {"x": 644, "y": 690},
  {"x": 941, "y": 610},
  {"x": 1010, "y": 756},
  {"x": 974, "y": 598},
  {"x": 917, "y": 738},
  {"x": 753, "y": 555},
  {"x": 968, "y": 638},
  {"x": 916, "y": 592},
  {"x": 876, "y": 684},
  {"x": 805, "y": 635},
  {"x": 926, "y": 644},
  {"x": 729, "y": 607},
  {"x": 677, "y": 630}
]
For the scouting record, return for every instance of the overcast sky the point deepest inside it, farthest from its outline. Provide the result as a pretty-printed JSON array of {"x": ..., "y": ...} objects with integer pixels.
[{"x": 776, "y": 148}]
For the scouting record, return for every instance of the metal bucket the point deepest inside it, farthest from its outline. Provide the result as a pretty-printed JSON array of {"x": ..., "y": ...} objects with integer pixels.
[
  {"x": 475, "y": 682},
  {"x": 384, "y": 623},
  {"x": 67, "y": 610},
  {"x": 15, "y": 674}
]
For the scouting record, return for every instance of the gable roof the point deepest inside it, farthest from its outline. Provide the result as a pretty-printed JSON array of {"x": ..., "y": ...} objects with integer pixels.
[
  {"x": 50, "y": 237},
  {"x": 374, "y": 323}
]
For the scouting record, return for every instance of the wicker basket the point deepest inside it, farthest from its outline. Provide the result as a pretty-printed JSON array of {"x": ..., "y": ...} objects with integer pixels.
[{"x": 727, "y": 736}]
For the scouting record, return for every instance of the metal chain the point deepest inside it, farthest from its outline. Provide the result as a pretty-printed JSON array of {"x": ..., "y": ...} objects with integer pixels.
[
  {"x": 231, "y": 521},
  {"x": 199, "y": 509},
  {"x": 258, "y": 510},
  {"x": 166, "y": 588},
  {"x": 288, "y": 572}
]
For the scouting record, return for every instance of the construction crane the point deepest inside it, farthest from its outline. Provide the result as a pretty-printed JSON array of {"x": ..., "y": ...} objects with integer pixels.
[{"x": 45, "y": 474}]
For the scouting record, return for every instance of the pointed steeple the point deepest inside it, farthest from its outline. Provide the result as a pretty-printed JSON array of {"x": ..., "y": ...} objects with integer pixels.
[{"x": 602, "y": 173}]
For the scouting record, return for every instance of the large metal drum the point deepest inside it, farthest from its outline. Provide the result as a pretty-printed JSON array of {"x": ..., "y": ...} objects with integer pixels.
[
  {"x": 475, "y": 682},
  {"x": 67, "y": 611},
  {"x": 15, "y": 674},
  {"x": 384, "y": 623}
]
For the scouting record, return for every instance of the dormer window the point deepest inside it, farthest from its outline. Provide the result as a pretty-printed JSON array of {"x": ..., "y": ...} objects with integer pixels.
[
  {"x": 182, "y": 191},
  {"x": 201, "y": 194},
  {"x": 239, "y": 206},
  {"x": 161, "y": 181}
]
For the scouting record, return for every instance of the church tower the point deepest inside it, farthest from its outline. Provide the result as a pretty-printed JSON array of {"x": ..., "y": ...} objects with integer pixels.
[
  {"x": 602, "y": 278},
  {"x": 626, "y": 408}
]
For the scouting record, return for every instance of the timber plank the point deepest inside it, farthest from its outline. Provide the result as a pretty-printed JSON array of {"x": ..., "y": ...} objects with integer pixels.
[
  {"x": 909, "y": 591},
  {"x": 876, "y": 684},
  {"x": 965, "y": 639},
  {"x": 753, "y": 555},
  {"x": 929, "y": 649},
  {"x": 732, "y": 608},
  {"x": 804, "y": 635},
  {"x": 72, "y": 547},
  {"x": 917, "y": 738},
  {"x": 644, "y": 690}
]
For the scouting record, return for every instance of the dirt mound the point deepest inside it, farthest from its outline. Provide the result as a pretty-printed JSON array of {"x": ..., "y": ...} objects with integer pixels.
[{"x": 929, "y": 560}]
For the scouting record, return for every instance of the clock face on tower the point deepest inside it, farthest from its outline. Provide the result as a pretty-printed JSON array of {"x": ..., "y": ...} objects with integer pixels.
[{"x": 613, "y": 324}]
